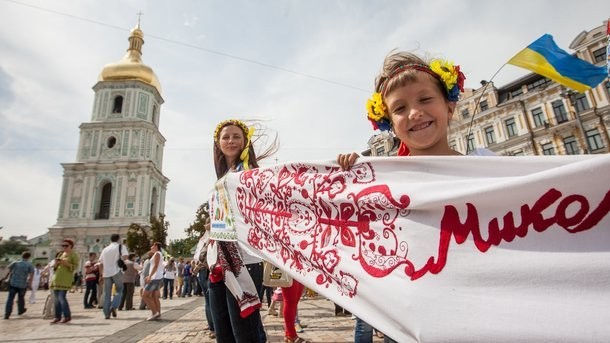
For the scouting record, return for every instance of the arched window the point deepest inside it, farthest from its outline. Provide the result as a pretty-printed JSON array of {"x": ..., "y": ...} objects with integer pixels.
[
  {"x": 154, "y": 114},
  {"x": 104, "y": 212},
  {"x": 153, "y": 203},
  {"x": 117, "y": 107}
]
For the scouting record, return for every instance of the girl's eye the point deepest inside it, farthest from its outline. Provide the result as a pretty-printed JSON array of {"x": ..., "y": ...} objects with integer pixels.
[
  {"x": 426, "y": 99},
  {"x": 398, "y": 110}
]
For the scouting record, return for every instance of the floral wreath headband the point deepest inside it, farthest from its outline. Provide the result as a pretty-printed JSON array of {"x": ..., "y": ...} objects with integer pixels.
[
  {"x": 444, "y": 71},
  {"x": 248, "y": 132}
]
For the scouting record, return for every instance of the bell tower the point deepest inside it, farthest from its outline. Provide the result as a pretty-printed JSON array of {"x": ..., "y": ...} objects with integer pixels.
[{"x": 117, "y": 178}]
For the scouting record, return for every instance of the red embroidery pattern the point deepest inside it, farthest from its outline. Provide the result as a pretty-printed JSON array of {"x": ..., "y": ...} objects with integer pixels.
[{"x": 293, "y": 212}]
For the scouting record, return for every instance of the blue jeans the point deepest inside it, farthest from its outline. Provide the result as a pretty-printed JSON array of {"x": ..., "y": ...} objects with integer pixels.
[
  {"x": 117, "y": 280},
  {"x": 61, "y": 304},
  {"x": 363, "y": 332},
  {"x": 186, "y": 288},
  {"x": 12, "y": 291},
  {"x": 204, "y": 282},
  {"x": 229, "y": 326}
]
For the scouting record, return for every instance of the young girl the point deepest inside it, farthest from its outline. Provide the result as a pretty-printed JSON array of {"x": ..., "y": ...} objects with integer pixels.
[
  {"x": 416, "y": 100},
  {"x": 234, "y": 152}
]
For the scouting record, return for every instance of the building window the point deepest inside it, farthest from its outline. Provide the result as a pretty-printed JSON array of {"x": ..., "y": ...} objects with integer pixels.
[
  {"x": 517, "y": 153},
  {"x": 465, "y": 113},
  {"x": 104, "y": 209},
  {"x": 516, "y": 93},
  {"x": 117, "y": 107},
  {"x": 548, "y": 149},
  {"x": 538, "y": 117},
  {"x": 581, "y": 103},
  {"x": 511, "y": 127},
  {"x": 483, "y": 105},
  {"x": 379, "y": 151},
  {"x": 561, "y": 116},
  {"x": 489, "y": 135},
  {"x": 599, "y": 55},
  {"x": 594, "y": 139},
  {"x": 543, "y": 82},
  {"x": 470, "y": 142},
  {"x": 571, "y": 145}
]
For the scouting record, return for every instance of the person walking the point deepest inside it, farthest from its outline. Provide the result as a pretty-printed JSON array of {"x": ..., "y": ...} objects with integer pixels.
[
  {"x": 112, "y": 274},
  {"x": 91, "y": 279},
  {"x": 168, "y": 279},
  {"x": 35, "y": 282},
  {"x": 20, "y": 279},
  {"x": 65, "y": 265},
  {"x": 129, "y": 283},
  {"x": 153, "y": 282}
]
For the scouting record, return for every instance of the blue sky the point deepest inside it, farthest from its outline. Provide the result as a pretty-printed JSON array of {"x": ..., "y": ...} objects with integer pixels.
[{"x": 305, "y": 67}]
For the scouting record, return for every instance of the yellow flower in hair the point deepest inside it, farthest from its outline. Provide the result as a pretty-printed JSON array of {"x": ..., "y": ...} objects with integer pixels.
[
  {"x": 245, "y": 154},
  {"x": 446, "y": 71},
  {"x": 375, "y": 107}
]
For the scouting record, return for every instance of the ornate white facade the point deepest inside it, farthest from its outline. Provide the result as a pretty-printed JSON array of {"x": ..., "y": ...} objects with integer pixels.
[{"x": 117, "y": 178}]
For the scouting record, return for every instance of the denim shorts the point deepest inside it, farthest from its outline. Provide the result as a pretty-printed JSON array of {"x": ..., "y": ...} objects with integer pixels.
[{"x": 153, "y": 285}]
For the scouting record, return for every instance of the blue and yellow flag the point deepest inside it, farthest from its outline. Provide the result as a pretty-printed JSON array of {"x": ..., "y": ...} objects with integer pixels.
[{"x": 544, "y": 57}]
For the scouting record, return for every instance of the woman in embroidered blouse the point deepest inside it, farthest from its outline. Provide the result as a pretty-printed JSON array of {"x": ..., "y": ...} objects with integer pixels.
[
  {"x": 233, "y": 322},
  {"x": 65, "y": 265}
]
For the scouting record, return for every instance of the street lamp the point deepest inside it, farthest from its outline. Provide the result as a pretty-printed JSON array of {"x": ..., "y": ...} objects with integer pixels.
[{"x": 571, "y": 96}]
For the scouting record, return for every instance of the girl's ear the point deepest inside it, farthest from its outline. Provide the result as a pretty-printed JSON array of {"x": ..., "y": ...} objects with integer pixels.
[{"x": 451, "y": 106}]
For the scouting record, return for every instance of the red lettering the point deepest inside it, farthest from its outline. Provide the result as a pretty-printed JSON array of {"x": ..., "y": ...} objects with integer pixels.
[{"x": 453, "y": 227}]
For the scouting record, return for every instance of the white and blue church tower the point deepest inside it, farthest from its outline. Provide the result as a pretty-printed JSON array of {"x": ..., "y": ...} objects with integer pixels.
[{"x": 117, "y": 178}]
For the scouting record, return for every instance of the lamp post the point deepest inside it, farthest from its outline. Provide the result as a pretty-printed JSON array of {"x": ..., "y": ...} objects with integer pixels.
[{"x": 571, "y": 96}]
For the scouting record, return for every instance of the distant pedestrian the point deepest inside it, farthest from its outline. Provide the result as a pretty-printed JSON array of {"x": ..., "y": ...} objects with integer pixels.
[
  {"x": 92, "y": 273},
  {"x": 35, "y": 282},
  {"x": 112, "y": 274},
  {"x": 153, "y": 282},
  {"x": 65, "y": 265},
  {"x": 20, "y": 279},
  {"x": 168, "y": 279},
  {"x": 129, "y": 283}
]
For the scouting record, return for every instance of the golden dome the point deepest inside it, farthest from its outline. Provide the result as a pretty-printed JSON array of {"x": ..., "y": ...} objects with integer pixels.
[{"x": 130, "y": 67}]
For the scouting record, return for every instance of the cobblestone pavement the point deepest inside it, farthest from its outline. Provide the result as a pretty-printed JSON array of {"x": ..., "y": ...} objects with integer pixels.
[{"x": 181, "y": 321}]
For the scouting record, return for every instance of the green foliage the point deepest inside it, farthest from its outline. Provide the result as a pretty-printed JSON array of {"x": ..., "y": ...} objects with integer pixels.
[
  {"x": 9, "y": 247},
  {"x": 182, "y": 247},
  {"x": 158, "y": 229},
  {"x": 137, "y": 239},
  {"x": 197, "y": 228}
]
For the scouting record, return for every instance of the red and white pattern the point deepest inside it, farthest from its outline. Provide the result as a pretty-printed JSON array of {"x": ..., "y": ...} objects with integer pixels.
[{"x": 442, "y": 248}]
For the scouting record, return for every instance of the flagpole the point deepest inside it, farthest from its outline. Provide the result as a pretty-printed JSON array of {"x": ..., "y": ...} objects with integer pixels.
[{"x": 476, "y": 107}]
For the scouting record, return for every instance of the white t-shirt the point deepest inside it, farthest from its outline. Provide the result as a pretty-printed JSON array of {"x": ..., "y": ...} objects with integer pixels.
[
  {"x": 160, "y": 268},
  {"x": 108, "y": 259}
]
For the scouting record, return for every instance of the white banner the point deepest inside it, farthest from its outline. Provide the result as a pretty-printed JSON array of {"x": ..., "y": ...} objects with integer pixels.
[{"x": 438, "y": 249}]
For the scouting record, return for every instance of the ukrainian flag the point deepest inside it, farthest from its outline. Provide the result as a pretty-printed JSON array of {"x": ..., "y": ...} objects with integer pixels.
[{"x": 544, "y": 57}]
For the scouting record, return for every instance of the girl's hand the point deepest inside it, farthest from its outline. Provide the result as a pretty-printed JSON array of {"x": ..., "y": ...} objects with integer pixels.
[{"x": 347, "y": 161}]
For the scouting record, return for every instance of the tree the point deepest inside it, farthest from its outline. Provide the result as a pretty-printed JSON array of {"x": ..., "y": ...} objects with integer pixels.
[
  {"x": 202, "y": 216},
  {"x": 12, "y": 247},
  {"x": 159, "y": 228},
  {"x": 182, "y": 247},
  {"x": 137, "y": 239}
]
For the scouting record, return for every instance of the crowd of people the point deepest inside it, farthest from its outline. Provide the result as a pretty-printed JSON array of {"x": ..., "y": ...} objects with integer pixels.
[{"x": 415, "y": 99}]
